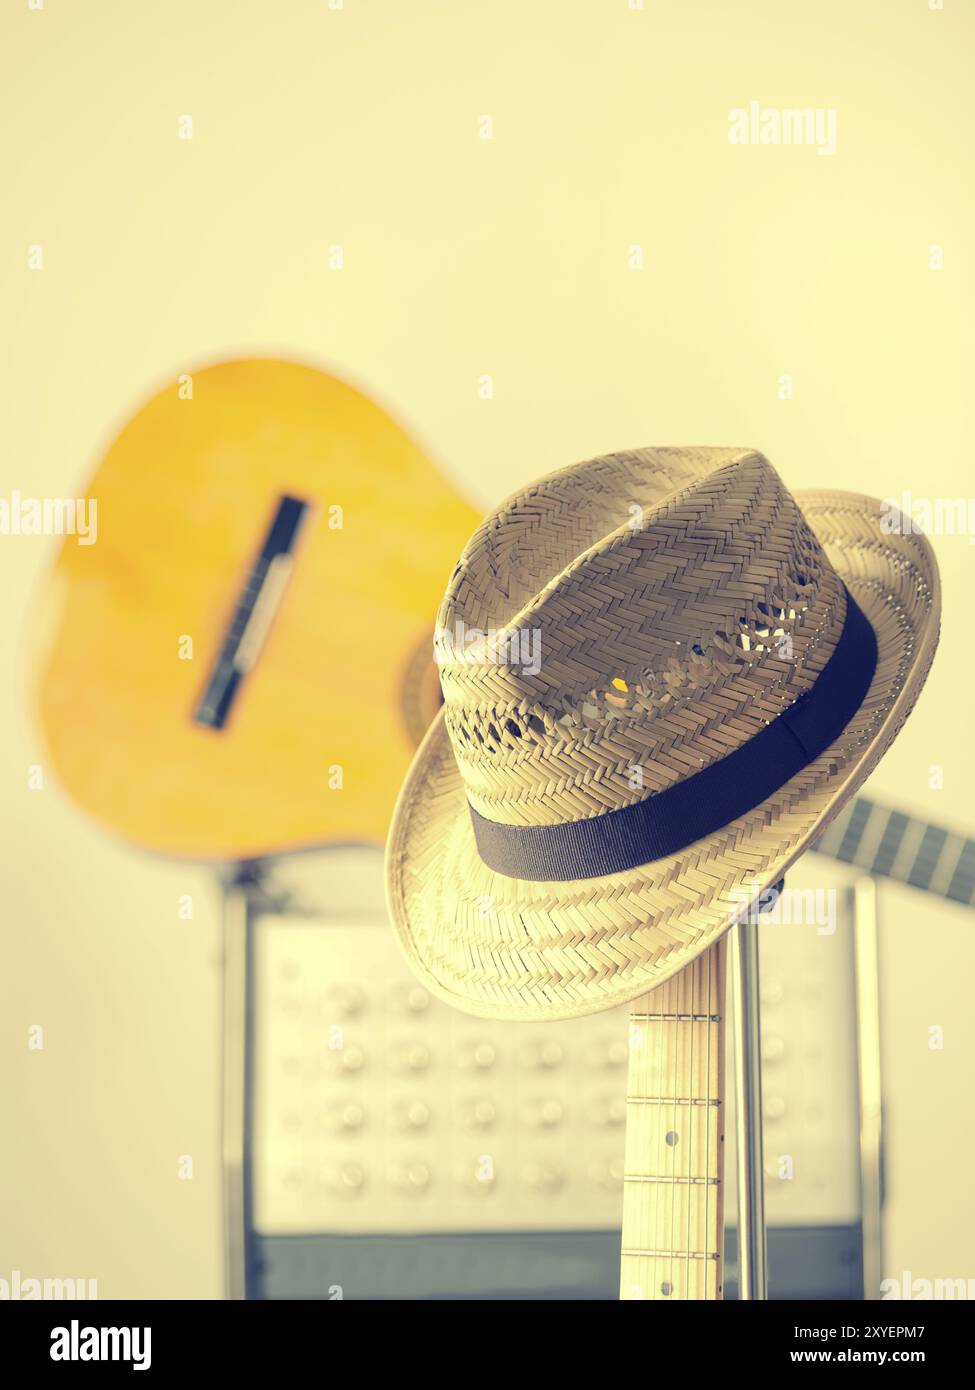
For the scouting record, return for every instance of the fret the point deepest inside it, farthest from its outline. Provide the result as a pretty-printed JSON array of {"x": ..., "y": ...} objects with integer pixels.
[
  {"x": 947, "y": 865},
  {"x": 670, "y": 1214},
  {"x": 669, "y": 1177},
  {"x": 962, "y": 883},
  {"x": 907, "y": 850},
  {"x": 673, "y": 1254},
  {"x": 672, "y": 1204},
  {"x": 857, "y": 823},
  {"x": 872, "y": 837},
  {"x": 675, "y": 1018},
  {"x": 928, "y": 854},
  {"x": 890, "y": 843},
  {"x": 671, "y": 1100}
]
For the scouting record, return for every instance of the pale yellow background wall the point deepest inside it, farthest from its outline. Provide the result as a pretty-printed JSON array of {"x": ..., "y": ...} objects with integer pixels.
[{"x": 358, "y": 126}]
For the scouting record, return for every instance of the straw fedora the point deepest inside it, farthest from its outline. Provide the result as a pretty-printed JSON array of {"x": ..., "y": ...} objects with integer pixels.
[{"x": 662, "y": 676}]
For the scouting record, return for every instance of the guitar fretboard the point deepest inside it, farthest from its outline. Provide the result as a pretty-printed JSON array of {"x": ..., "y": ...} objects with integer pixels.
[
  {"x": 891, "y": 844},
  {"x": 672, "y": 1194}
]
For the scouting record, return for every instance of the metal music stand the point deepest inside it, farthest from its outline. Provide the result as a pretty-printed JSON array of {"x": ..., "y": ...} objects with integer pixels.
[
  {"x": 243, "y": 892},
  {"x": 744, "y": 987},
  {"x": 752, "y": 1264},
  {"x": 869, "y": 1078}
]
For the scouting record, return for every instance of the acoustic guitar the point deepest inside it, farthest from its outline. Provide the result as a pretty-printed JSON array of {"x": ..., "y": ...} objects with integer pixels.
[{"x": 242, "y": 662}]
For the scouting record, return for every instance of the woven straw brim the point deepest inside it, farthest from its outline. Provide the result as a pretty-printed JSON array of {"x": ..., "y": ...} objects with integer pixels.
[{"x": 505, "y": 948}]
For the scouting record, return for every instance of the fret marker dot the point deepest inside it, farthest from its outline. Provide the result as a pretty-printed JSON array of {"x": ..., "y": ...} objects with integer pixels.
[
  {"x": 666, "y": 1289},
  {"x": 672, "y": 1138}
]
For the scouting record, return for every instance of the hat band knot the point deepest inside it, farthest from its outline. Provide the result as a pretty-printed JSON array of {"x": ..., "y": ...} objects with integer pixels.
[{"x": 705, "y": 802}]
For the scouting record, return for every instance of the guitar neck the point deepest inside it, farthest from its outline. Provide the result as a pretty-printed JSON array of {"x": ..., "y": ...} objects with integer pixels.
[
  {"x": 891, "y": 844},
  {"x": 673, "y": 1230}
]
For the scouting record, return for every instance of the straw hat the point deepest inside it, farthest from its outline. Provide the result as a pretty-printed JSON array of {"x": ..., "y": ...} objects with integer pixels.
[{"x": 662, "y": 676}]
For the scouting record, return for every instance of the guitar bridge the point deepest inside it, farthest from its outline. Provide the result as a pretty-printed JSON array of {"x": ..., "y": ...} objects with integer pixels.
[{"x": 256, "y": 609}]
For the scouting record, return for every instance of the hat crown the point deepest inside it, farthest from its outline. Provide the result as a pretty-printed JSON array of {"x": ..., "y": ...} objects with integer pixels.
[{"x": 621, "y": 624}]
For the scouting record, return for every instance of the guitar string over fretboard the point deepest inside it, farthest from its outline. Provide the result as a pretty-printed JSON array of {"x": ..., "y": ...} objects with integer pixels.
[
  {"x": 672, "y": 1100},
  {"x": 675, "y": 1018},
  {"x": 891, "y": 844},
  {"x": 672, "y": 1184}
]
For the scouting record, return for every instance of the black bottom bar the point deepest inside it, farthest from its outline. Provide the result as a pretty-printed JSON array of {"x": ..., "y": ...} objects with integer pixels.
[{"x": 821, "y": 1262}]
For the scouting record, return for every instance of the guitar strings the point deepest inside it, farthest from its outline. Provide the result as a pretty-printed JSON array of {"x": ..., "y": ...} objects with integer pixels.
[
  {"x": 674, "y": 1174},
  {"x": 707, "y": 1134},
  {"x": 712, "y": 955},
  {"x": 659, "y": 1192},
  {"x": 660, "y": 1268},
  {"x": 690, "y": 1194},
  {"x": 653, "y": 1209},
  {"x": 653, "y": 1236}
]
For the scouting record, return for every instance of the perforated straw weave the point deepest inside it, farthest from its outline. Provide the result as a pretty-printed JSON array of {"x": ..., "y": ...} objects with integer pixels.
[{"x": 609, "y": 632}]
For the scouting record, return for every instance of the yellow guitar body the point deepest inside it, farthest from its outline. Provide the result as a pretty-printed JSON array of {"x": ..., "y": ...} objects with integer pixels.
[{"x": 241, "y": 663}]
